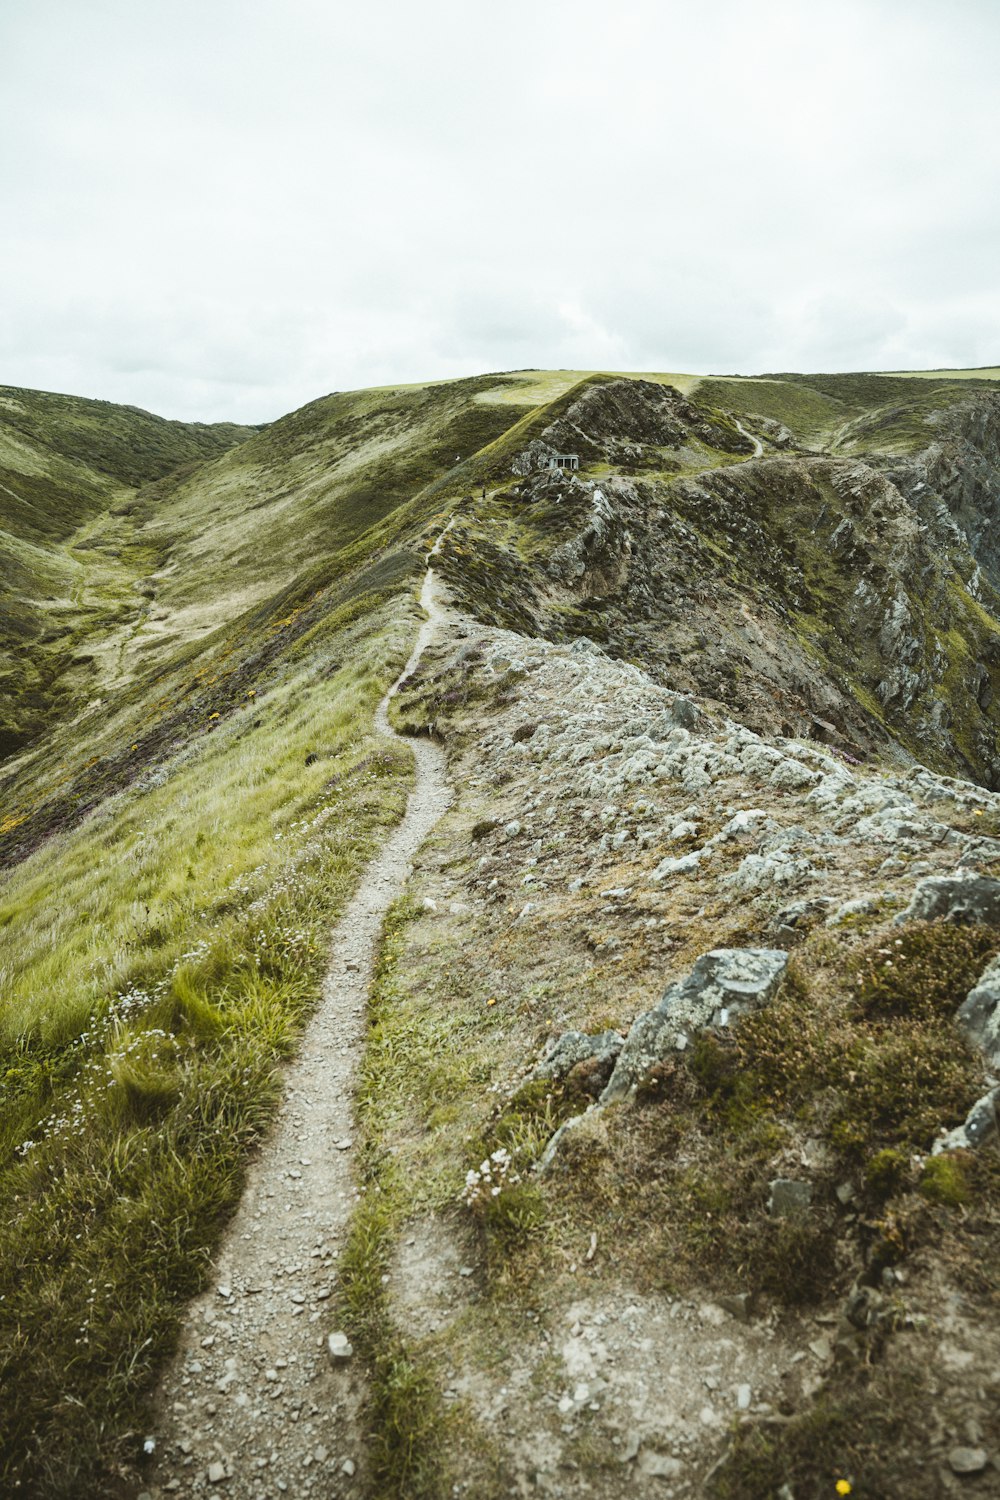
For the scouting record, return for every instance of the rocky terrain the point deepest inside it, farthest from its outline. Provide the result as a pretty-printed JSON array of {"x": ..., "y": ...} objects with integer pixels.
[{"x": 645, "y": 1141}]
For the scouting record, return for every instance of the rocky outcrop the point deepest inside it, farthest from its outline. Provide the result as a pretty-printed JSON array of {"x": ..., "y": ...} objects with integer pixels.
[
  {"x": 964, "y": 899},
  {"x": 979, "y": 1127},
  {"x": 595, "y": 561},
  {"x": 723, "y": 985},
  {"x": 979, "y": 1014},
  {"x": 963, "y": 468},
  {"x": 620, "y": 419}
]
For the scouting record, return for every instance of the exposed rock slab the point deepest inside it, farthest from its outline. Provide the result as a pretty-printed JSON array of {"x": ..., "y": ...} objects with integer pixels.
[
  {"x": 964, "y": 899},
  {"x": 723, "y": 984}
]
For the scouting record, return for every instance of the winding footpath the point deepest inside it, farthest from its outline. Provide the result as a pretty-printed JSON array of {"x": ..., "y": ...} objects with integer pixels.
[
  {"x": 252, "y": 1407},
  {"x": 758, "y": 446}
]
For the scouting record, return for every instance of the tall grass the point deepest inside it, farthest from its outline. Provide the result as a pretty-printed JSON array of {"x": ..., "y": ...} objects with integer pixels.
[{"x": 156, "y": 966}]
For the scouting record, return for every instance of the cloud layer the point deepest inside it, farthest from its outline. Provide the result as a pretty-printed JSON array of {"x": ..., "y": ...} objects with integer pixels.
[{"x": 224, "y": 210}]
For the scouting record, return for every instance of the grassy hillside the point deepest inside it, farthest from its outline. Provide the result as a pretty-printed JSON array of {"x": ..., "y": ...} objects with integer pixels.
[
  {"x": 70, "y": 564},
  {"x": 179, "y": 849},
  {"x": 860, "y": 412}
]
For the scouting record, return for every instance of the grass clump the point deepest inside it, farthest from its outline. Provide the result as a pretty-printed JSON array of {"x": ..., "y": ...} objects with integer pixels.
[
  {"x": 859, "y": 1442},
  {"x": 408, "y": 1419},
  {"x": 407, "y": 1416},
  {"x": 883, "y": 1065}
]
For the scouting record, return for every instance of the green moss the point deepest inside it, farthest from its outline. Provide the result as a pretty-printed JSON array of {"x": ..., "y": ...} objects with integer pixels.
[
  {"x": 944, "y": 1180},
  {"x": 886, "y": 1171},
  {"x": 924, "y": 972}
]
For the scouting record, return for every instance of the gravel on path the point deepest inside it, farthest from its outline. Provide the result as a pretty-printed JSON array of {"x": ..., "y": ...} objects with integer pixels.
[{"x": 253, "y": 1406}]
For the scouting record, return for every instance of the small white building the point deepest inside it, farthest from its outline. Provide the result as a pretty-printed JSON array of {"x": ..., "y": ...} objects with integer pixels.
[{"x": 564, "y": 461}]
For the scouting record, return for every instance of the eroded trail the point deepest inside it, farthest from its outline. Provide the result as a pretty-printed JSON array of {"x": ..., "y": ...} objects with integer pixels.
[
  {"x": 758, "y": 446},
  {"x": 251, "y": 1406}
]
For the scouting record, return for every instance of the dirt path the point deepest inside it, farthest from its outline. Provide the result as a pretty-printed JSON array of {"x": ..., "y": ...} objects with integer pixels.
[
  {"x": 758, "y": 446},
  {"x": 251, "y": 1406}
]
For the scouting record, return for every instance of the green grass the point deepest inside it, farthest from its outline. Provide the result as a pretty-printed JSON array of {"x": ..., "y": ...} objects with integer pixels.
[
  {"x": 407, "y": 1417},
  {"x": 989, "y": 373},
  {"x": 860, "y": 1438},
  {"x": 810, "y": 415},
  {"x": 111, "y": 576},
  {"x": 539, "y": 387},
  {"x": 158, "y": 963},
  {"x": 180, "y": 846}
]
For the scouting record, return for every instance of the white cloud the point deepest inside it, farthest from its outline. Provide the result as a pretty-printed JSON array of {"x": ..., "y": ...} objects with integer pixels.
[{"x": 224, "y": 210}]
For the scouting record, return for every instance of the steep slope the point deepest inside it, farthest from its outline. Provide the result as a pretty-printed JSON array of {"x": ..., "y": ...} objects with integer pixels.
[
  {"x": 215, "y": 571},
  {"x": 69, "y": 559},
  {"x": 809, "y": 594}
]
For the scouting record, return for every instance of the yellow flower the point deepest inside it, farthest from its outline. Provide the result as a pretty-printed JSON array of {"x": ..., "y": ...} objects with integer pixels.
[
  {"x": 843, "y": 1486},
  {"x": 213, "y": 716}
]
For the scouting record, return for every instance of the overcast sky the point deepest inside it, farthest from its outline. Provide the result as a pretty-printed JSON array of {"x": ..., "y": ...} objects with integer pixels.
[{"x": 224, "y": 208}]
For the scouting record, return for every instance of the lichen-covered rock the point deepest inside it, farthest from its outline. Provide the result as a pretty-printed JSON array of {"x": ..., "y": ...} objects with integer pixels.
[
  {"x": 980, "y": 1126},
  {"x": 979, "y": 1014},
  {"x": 858, "y": 906},
  {"x": 680, "y": 864},
  {"x": 743, "y": 824},
  {"x": 575, "y": 1047},
  {"x": 797, "y": 916},
  {"x": 964, "y": 899},
  {"x": 759, "y": 872},
  {"x": 722, "y": 985}
]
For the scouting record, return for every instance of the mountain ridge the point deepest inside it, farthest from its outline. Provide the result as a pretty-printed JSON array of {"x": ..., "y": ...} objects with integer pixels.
[{"x": 730, "y": 687}]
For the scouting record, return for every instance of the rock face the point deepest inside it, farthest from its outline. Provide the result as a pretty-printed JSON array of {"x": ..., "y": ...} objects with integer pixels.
[
  {"x": 979, "y": 1014},
  {"x": 963, "y": 899},
  {"x": 962, "y": 470},
  {"x": 596, "y": 558},
  {"x": 723, "y": 984}
]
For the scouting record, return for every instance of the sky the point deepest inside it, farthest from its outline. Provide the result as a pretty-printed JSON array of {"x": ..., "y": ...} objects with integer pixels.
[{"x": 224, "y": 209}]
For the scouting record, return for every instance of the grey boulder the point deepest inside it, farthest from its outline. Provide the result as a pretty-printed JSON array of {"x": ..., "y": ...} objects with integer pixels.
[
  {"x": 723, "y": 984},
  {"x": 789, "y": 1198},
  {"x": 576, "y": 1047},
  {"x": 980, "y": 1126},
  {"x": 979, "y": 1014},
  {"x": 970, "y": 900}
]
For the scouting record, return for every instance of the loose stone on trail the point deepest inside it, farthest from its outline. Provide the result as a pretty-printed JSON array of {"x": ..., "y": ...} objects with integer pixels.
[{"x": 339, "y": 1347}]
